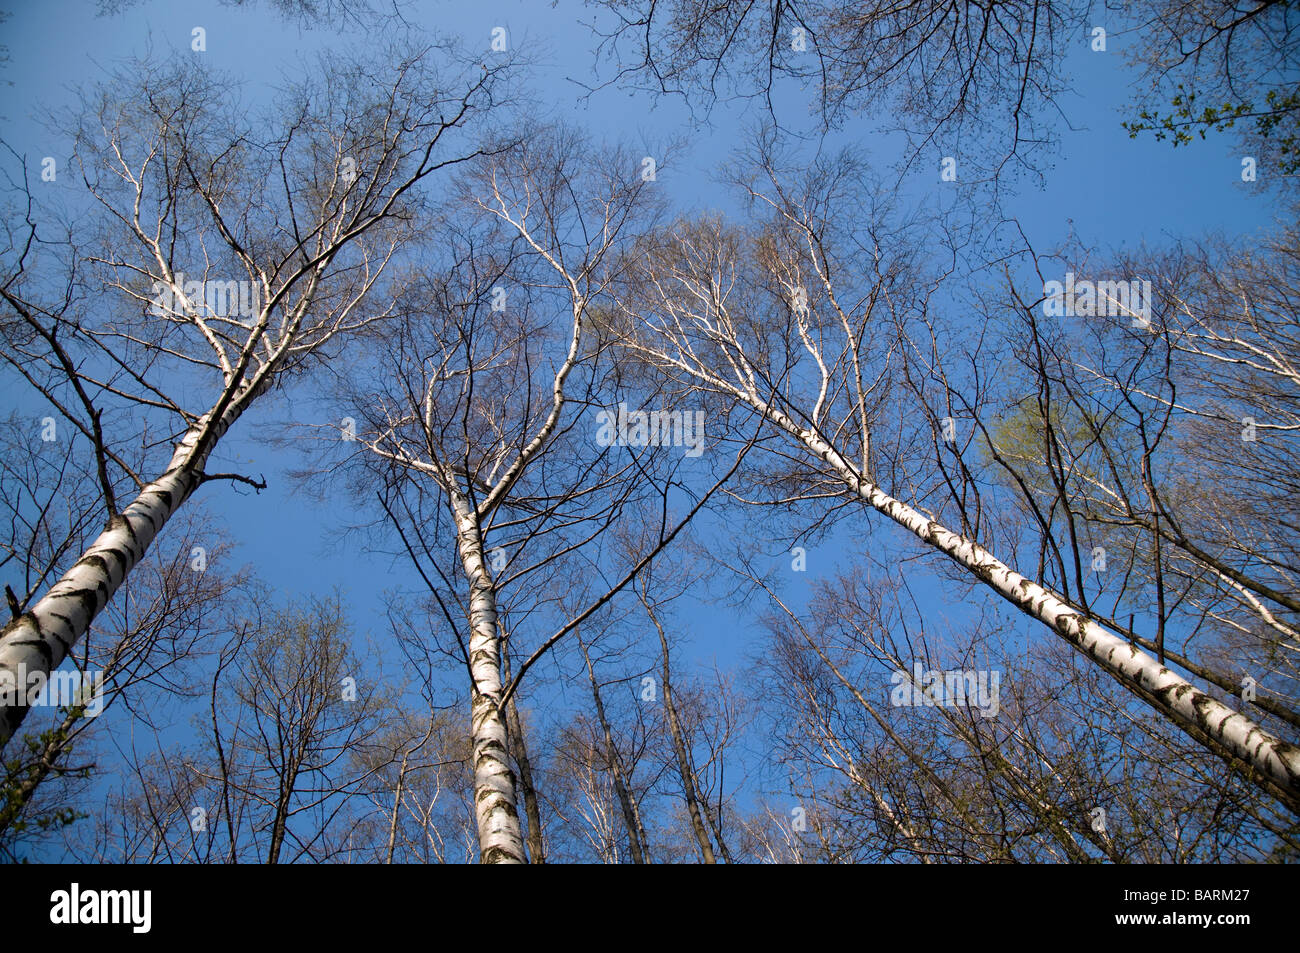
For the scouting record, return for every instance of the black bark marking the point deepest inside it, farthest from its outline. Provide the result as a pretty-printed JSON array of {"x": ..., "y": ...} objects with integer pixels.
[
  {"x": 485, "y": 793},
  {"x": 500, "y": 855},
  {"x": 41, "y": 645}
]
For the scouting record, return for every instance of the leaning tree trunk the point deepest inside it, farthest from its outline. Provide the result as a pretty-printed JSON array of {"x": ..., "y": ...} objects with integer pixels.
[
  {"x": 684, "y": 768},
  {"x": 41, "y": 638},
  {"x": 499, "y": 838},
  {"x": 636, "y": 835},
  {"x": 1275, "y": 763}
]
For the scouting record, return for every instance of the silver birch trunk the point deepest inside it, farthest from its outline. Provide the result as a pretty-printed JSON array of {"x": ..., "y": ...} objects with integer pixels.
[
  {"x": 1205, "y": 717},
  {"x": 499, "y": 837},
  {"x": 41, "y": 638}
]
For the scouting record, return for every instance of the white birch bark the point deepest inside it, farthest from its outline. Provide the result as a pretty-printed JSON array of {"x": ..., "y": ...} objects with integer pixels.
[
  {"x": 41, "y": 638},
  {"x": 701, "y": 341},
  {"x": 499, "y": 835},
  {"x": 1275, "y": 760}
]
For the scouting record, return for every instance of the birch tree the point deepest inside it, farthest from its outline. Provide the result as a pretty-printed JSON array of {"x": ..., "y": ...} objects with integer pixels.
[
  {"x": 1123, "y": 426},
  {"x": 794, "y": 318},
  {"x": 222, "y": 253},
  {"x": 481, "y": 421},
  {"x": 146, "y": 641},
  {"x": 141, "y": 650}
]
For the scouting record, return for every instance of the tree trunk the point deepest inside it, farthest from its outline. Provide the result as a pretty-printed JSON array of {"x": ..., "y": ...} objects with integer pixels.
[
  {"x": 631, "y": 815},
  {"x": 499, "y": 837},
  {"x": 519, "y": 747},
  {"x": 684, "y": 768},
  {"x": 1276, "y": 763},
  {"x": 281, "y": 822},
  {"x": 41, "y": 638},
  {"x": 397, "y": 810},
  {"x": 715, "y": 824}
]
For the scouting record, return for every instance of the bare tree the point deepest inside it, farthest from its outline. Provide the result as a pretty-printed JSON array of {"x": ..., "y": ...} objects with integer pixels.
[
  {"x": 786, "y": 318},
  {"x": 477, "y": 421},
  {"x": 1066, "y": 768},
  {"x": 681, "y": 752},
  {"x": 193, "y": 269},
  {"x": 1115, "y": 427},
  {"x": 950, "y": 75},
  {"x": 292, "y": 732}
]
